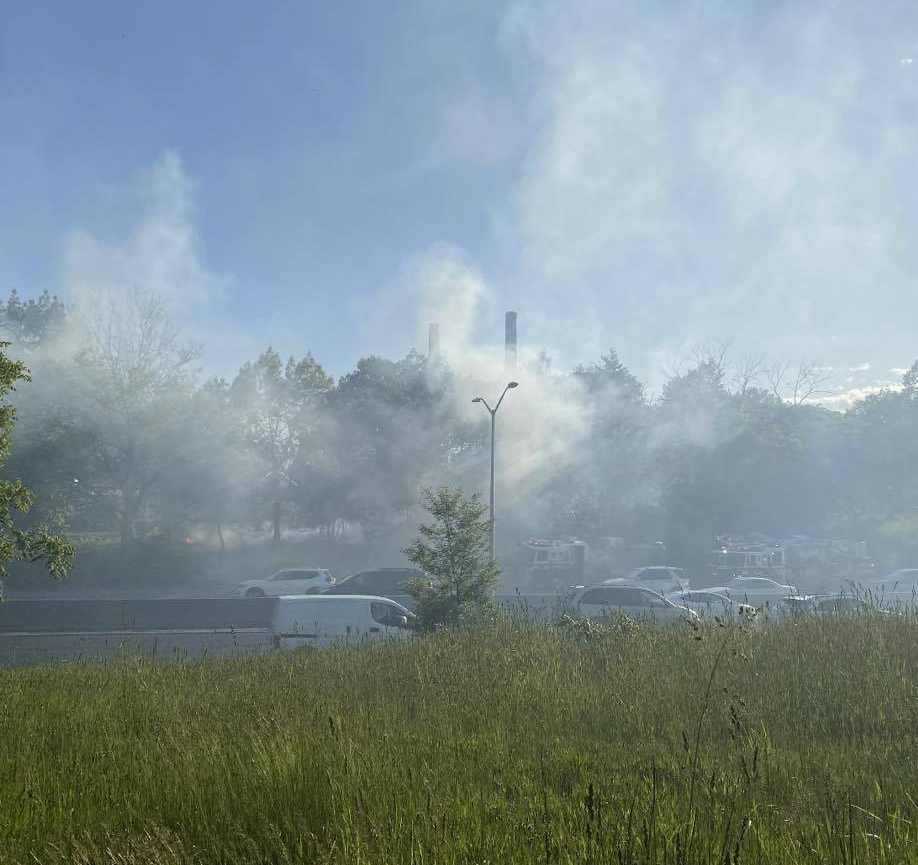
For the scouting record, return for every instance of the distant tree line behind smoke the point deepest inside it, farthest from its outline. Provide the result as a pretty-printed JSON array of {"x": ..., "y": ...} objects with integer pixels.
[{"x": 117, "y": 432}]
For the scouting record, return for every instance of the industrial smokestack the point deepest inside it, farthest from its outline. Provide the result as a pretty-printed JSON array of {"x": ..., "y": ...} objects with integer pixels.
[
  {"x": 433, "y": 340},
  {"x": 510, "y": 340}
]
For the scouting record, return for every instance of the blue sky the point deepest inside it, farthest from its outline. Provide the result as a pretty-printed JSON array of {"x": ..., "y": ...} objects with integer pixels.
[{"x": 329, "y": 177}]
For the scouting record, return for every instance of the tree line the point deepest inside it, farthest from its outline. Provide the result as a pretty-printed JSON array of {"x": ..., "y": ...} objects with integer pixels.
[{"x": 119, "y": 432}]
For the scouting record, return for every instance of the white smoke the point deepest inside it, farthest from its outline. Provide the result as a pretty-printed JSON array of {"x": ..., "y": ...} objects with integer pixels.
[
  {"x": 160, "y": 255},
  {"x": 708, "y": 170}
]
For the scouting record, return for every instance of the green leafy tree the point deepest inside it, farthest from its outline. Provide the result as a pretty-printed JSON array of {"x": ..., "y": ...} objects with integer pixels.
[
  {"x": 211, "y": 476},
  {"x": 17, "y": 545},
  {"x": 397, "y": 429},
  {"x": 606, "y": 482},
  {"x": 279, "y": 409},
  {"x": 31, "y": 322},
  {"x": 610, "y": 379},
  {"x": 453, "y": 552},
  {"x": 128, "y": 392}
]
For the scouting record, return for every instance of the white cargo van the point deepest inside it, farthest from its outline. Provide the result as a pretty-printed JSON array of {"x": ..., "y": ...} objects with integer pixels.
[{"x": 321, "y": 620}]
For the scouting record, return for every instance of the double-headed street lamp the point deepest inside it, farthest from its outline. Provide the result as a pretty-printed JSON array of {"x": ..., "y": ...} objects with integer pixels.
[{"x": 493, "y": 413}]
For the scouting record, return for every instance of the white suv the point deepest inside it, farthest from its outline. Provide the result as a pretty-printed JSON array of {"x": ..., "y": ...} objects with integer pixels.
[
  {"x": 294, "y": 581},
  {"x": 899, "y": 587}
]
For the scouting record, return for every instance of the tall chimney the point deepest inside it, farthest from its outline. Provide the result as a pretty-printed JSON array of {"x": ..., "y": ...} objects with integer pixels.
[
  {"x": 510, "y": 340},
  {"x": 433, "y": 340}
]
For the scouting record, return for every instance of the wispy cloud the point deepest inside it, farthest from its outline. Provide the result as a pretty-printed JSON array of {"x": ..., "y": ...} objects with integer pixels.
[
  {"x": 845, "y": 398},
  {"x": 861, "y": 367}
]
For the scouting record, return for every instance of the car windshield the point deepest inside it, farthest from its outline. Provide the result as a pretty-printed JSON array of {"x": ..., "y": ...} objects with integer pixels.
[{"x": 707, "y": 598}]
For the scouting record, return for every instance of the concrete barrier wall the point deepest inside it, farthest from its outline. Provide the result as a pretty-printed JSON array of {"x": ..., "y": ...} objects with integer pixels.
[
  {"x": 537, "y": 607},
  {"x": 49, "y": 616}
]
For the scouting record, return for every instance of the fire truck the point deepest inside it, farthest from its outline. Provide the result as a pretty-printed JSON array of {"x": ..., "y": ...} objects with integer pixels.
[
  {"x": 799, "y": 560},
  {"x": 558, "y": 562}
]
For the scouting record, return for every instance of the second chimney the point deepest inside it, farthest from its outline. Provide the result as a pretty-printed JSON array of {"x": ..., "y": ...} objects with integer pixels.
[{"x": 510, "y": 340}]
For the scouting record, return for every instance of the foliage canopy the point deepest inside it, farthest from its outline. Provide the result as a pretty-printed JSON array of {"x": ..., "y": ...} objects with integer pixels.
[
  {"x": 16, "y": 544},
  {"x": 453, "y": 552}
]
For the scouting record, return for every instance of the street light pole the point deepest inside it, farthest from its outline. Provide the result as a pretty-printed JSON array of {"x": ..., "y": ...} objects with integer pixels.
[
  {"x": 493, "y": 430},
  {"x": 493, "y": 413}
]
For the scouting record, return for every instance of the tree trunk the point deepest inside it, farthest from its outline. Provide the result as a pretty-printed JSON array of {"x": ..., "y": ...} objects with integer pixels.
[
  {"x": 276, "y": 519},
  {"x": 128, "y": 518}
]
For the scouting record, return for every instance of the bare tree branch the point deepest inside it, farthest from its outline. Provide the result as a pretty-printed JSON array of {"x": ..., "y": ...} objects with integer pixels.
[
  {"x": 715, "y": 355},
  {"x": 797, "y": 385},
  {"x": 748, "y": 373}
]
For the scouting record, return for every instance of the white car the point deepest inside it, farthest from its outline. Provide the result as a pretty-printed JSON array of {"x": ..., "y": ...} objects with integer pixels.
[
  {"x": 758, "y": 590},
  {"x": 822, "y": 606},
  {"x": 711, "y": 603},
  {"x": 898, "y": 587},
  {"x": 293, "y": 581},
  {"x": 598, "y": 602},
  {"x": 657, "y": 577}
]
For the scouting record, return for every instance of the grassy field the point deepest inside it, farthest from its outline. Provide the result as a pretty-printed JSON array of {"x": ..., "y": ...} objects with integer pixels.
[{"x": 511, "y": 744}]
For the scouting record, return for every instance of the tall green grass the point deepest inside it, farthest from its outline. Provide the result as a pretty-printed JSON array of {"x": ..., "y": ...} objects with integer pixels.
[{"x": 794, "y": 744}]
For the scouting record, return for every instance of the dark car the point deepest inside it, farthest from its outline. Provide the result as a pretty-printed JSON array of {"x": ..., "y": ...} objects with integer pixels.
[{"x": 383, "y": 582}]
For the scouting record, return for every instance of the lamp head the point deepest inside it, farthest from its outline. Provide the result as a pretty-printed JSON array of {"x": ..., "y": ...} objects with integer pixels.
[
  {"x": 513, "y": 384},
  {"x": 477, "y": 399}
]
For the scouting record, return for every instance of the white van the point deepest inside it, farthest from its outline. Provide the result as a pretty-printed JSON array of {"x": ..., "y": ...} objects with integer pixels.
[{"x": 321, "y": 620}]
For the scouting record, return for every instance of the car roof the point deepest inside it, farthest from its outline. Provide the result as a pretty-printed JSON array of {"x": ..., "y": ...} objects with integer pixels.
[
  {"x": 335, "y": 599},
  {"x": 757, "y": 580}
]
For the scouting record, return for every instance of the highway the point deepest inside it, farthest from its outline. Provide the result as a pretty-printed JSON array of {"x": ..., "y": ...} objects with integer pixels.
[
  {"x": 85, "y": 630},
  {"x": 90, "y": 630}
]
